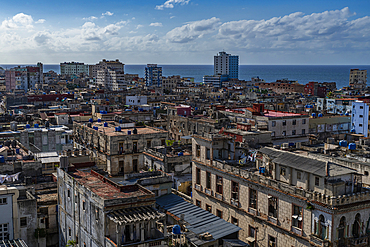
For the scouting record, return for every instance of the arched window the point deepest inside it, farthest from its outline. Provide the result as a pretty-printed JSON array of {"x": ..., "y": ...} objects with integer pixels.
[
  {"x": 342, "y": 230},
  {"x": 356, "y": 228},
  {"x": 322, "y": 227}
]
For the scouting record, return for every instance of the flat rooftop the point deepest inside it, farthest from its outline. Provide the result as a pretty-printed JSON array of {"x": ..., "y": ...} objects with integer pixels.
[
  {"x": 111, "y": 131},
  {"x": 282, "y": 114},
  {"x": 106, "y": 188}
]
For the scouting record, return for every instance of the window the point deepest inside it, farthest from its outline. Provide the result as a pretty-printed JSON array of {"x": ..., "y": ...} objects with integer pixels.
[
  {"x": 272, "y": 241},
  {"x": 317, "y": 181},
  {"x": 284, "y": 133},
  {"x": 361, "y": 107},
  {"x": 294, "y": 122},
  {"x": 366, "y": 173},
  {"x": 198, "y": 176},
  {"x": 198, "y": 203},
  {"x": 3, "y": 201},
  {"x": 4, "y": 234},
  {"x": 209, "y": 208},
  {"x": 83, "y": 205},
  {"x": 219, "y": 213},
  {"x": 69, "y": 232},
  {"x": 293, "y": 132},
  {"x": 273, "y": 206},
  {"x": 234, "y": 221},
  {"x": 69, "y": 193},
  {"x": 284, "y": 123},
  {"x": 282, "y": 171},
  {"x": 273, "y": 123},
  {"x": 320, "y": 227},
  {"x": 97, "y": 214},
  {"x": 297, "y": 217},
  {"x": 273, "y": 133},
  {"x": 303, "y": 121},
  {"x": 208, "y": 180},
  {"x": 23, "y": 222},
  {"x": 219, "y": 184},
  {"x": 208, "y": 154},
  {"x": 299, "y": 175},
  {"x": 359, "y": 125},
  {"x": 234, "y": 190},
  {"x": 303, "y": 131},
  {"x": 148, "y": 144},
  {"x": 252, "y": 198},
  {"x": 361, "y": 116},
  {"x": 197, "y": 150},
  {"x": 252, "y": 236}
]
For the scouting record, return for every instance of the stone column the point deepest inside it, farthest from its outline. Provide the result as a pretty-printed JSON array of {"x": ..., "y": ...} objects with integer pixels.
[
  {"x": 117, "y": 234},
  {"x": 142, "y": 230},
  {"x": 137, "y": 231},
  {"x": 132, "y": 232}
]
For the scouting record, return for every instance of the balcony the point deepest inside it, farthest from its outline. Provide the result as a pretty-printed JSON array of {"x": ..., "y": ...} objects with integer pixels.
[
  {"x": 208, "y": 191},
  {"x": 318, "y": 241},
  {"x": 252, "y": 211},
  {"x": 359, "y": 241},
  {"x": 198, "y": 187},
  {"x": 235, "y": 202},
  {"x": 219, "y": 196}
]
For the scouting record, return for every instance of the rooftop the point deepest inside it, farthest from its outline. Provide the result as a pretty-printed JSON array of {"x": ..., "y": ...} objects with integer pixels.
[
  {"x": 282, "y": 114},
  {"x": 107, "y": 189}
]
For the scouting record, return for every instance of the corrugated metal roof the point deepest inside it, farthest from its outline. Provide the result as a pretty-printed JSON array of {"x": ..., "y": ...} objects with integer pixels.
[
  {"x": 13, "y": 243},
  {"x": 199, "y": 220},
  {"x": 134, "y": 215}
]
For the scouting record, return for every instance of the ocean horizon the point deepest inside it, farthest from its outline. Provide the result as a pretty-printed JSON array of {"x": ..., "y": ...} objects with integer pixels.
[{"x": 270, "y": 73}]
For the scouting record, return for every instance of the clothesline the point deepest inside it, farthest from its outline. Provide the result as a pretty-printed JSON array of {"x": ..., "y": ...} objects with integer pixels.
[{"x": 9, "y": 178}]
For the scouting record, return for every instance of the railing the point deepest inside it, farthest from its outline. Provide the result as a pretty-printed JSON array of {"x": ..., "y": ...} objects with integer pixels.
[{"x": 360, "y": 241}]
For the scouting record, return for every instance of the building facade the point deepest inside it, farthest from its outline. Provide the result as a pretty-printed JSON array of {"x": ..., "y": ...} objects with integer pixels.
[
  {"x": 153, "y": 75},
  {"x": 357, "y": 79},
  {"x": 226, "y": 64},
  {"x": 360, "y": 118},
  {"x": 104, "y": 64},
  {"x": 73, "y": 68}
]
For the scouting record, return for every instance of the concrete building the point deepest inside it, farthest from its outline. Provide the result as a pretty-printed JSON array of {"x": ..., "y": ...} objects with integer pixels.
[
  {"x": 95, "y": 211},
  {"x": 137, "y": 100},
  {"x": 111, "y": 79},
  {"x": 335, "y": 106},
  {"x": 226, "y": 64},
  {"x": 73, "y": 68},
  {"x": 360, "y": 118},
  {"x": 215, "y": 80},
  {"x": 284, "y": 199},
  {"x": 282, "y": 86},
  {"x": 18, "y": 218},
  {"x": 24, "y": 78},
  {"x": 115, "y": 65},
  {"x": 171, "y": 82},
  {"x": 328, "y": 125},
  {"x": 153, "y": 75},
  {"x": 284, "y": 126},
  {"x": 358, "y": 79},
  {"x": 118, "y": 147}
]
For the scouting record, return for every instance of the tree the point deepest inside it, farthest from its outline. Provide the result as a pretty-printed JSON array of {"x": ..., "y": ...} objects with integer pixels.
[{"x": 71, "y": 243}]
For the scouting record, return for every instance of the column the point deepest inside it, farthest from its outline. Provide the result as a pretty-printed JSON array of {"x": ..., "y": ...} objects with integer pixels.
[
  {"x": 132, "y": 232},
  {"x": 117, "y": 234},
  {"x": 142, "y": 229},
  {"x": 165, "y": 227}
]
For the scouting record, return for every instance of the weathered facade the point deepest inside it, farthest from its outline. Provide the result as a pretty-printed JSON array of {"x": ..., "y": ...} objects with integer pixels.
[
  {"x": 95, "y": 211},
  {"x": 292, "y": 201},
  {"x": 121, "y": 149}
]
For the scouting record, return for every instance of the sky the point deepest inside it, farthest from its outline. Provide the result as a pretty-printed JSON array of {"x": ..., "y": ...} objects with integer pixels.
[{"x": 263, "y": 32}]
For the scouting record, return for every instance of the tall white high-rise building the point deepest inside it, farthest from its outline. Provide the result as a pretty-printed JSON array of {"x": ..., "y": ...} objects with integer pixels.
[{"x": 226, "y": 64}]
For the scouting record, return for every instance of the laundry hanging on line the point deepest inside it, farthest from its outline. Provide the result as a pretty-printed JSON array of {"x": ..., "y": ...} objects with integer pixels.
[{"x": 9, "y": 178}]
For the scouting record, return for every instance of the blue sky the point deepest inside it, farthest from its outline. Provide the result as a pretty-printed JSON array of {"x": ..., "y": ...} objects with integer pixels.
[{"x": 185, "y": 31}]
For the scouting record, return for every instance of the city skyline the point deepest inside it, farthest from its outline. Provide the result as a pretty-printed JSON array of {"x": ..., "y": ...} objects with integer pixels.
[{"x": 182, "y": 32}]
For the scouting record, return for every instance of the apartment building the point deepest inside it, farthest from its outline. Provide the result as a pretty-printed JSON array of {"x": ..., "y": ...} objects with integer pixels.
[
  {"x": 111, "y": 79},
  {"x": 171, "y": 82},
  {"x": 358, "y": 79},
  {"x": 226, "y": 64},
  {"x": 24, "y": 78},
  {"x": 118, "y": 147},
  {"x": 95, "y": 211},
  {"x": 104, "y": 64},
  {"x": 284, "y": 126},
  {"x": 284, "y": 199},
  {"x": 73, "y": 68},
  {"x": 360, "y": 118},
  {"x": 153, "y": 75}
]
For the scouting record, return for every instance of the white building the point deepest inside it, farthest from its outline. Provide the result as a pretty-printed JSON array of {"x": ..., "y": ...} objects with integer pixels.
[
  {"x": 104, "y": 64},
  {"x": 226, "y": 64},
  {"x": 111, "y": 79},
  {"x": 360, "y": 118},
  {"x": 136, "y": 100},
  {"x": 73, "y": 68},
  {"x": 334, "y": 106}
]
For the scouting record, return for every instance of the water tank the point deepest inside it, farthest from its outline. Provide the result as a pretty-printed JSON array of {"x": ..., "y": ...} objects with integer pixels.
[
  {"x": 36, "y": 125},
  {"x": 28, "y": 126},
  {"x": 291, "y": 144},
  {"x": 119, "y": 129},
  {"x": 176, "y": 229},
  {"x": 320, "y": 114},
  {"x": 343, "y": 143},
  {"x": 135, "y": 131},
  {"x": 180, "y": 154},
  {"x": 313, "y": 114},
  {"x": 353, "y": 130},
  {"x": 352, "y": 146},
  {"x": 99, "y": 120},
  {"x": 2, "y": 159},
  {"x": 120, "y": 121},
  {"x": 95, "y": 128},
  {"x": 91, "y": 120},
  {"x": 14, "y": 125},
  {"x": 129, "y": 132},
  {"x": 17, "y": 151},
  {"x": 105, "y": 124}
]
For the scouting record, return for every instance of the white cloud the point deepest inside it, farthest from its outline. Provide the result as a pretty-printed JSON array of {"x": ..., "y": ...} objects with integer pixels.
[
  {"x": 193, "y": 30},
  {"x": 155, "y": 24},
  {"x": 40, "y": 21},
  {"x": 107, "y": 13},
  {"x": 171, "y": 17},
  {"x": 91, "y": 18},
  {"x": 20, "y": 20},
  {"x": 139, "y": 26},
  {"x": 169, "y": 4}
]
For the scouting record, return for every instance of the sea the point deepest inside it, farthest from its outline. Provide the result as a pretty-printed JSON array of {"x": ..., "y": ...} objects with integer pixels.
[{"x": 270, "y": 73}]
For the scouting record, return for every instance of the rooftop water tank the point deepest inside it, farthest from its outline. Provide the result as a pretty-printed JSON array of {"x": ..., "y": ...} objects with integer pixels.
[
  {"x": 176, "y": 229},
  {"x": 99, "y": 120},
  {"x": 129, "y": 132},
  {"x": 320, "y": 114},
  {"x": 352, "y": 146},
  {"x": 28, "y": 126},
  {"x": 91, "y": 120},
  {"x": 36, "y": 125},
  {"x": 343, "y": 143},
  {"x": 313, "y": 115},
  {"x": 2, "y": 159},
  {"x": 105, "y": 124},
  {"x": 120, "y": 121},
  {"x": 353, "y": 130}
]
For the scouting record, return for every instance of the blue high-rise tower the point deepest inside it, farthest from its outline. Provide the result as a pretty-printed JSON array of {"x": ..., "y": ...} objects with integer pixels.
[
  {"x": 153, "y": 75},
  {"x": 226, "y": 64}
]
